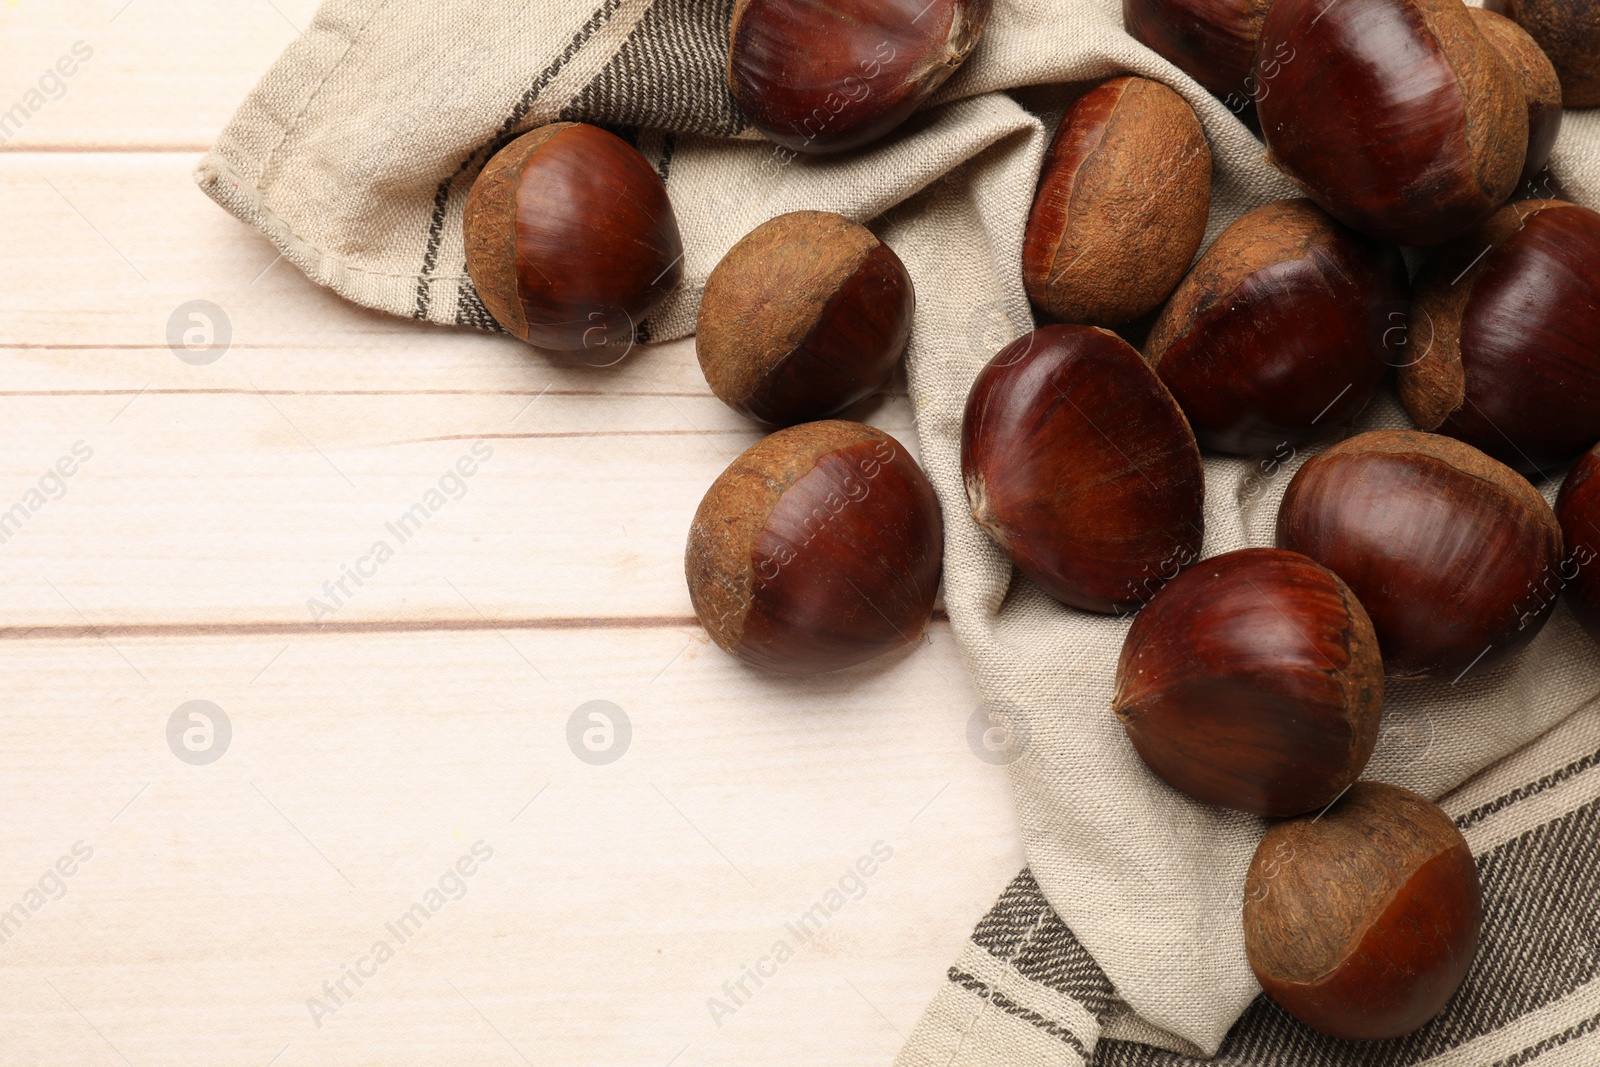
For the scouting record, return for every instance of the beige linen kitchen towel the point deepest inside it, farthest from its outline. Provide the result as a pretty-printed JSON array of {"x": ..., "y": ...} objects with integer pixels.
[
  {"x": 1026, "y": 993},
  {"x": 354, "y": 156}
]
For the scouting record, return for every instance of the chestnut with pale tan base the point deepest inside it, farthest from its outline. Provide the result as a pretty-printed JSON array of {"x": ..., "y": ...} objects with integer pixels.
[
  {"x": 1507, "y": 328},
  {"x": 1253, "y": 681},
  {"x": 1398, "y": 117},
  {"x": 817, "y": 549},
  {"x": 1540, "y": 86},
  {"x": 806, "y": 315},
  {"x": 1363, "y": 921},
  {"x": 1445, "y": 548},
  {"x": 1569, "y": 33},
  {"x": 1122, "y": 206},
  {"x": 570, "y": 238},
  {"x": 1282, "y": 330},
  {"x": 1080, "y": 467}
]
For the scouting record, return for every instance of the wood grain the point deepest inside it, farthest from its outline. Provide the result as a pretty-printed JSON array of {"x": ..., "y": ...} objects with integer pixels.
[
  {"x": 162, "y": 74},
  {"x": 618, "y": 900}
]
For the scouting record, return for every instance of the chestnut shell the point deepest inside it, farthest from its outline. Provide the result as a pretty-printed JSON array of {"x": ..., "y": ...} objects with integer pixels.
[
  {"x": 1212, "y": 41},
  {"x": 806, "y": 315},
  {"x": 1253, "y": 681},
  {"x": 817, "y": 549},
  {"x": 570, "y": 238},
  {"x": 1282, "y": 330},
  {"x": 1121, "y": 207},
  {"x": 1507, "y": 322},
  {"x": 1362, "y": 922},
  {"x": 1079, "y": 465},
  {"x": 831, "y": 75},
  {"x": 1569, "y": 33},
  {"x": 1578, "y": 508},
  {"x": 1539, "y": 83},
  {"x": 1398, "y": 117},
  {"x": 1443, "y": 546}
]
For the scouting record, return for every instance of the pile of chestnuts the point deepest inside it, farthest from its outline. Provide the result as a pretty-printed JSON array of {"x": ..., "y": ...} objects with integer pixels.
[{"x": 1253, "y": 680}]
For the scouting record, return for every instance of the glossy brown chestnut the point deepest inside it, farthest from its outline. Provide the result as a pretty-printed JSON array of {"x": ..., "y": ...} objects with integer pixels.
[
  {"x": 817, "y": 549},
  {"x": 1445, "y": 548},
  {"x": 1253, "y": 681},
  {"x": 803, "y": 317},
  {"x": 1362, "y": 922},
  {"x": 571, "y": 239},
  {"x": 1282, "y": 330},
  {"x": 1540, "y": 86},
  {"x": 1121, "y": 207},
  {"x": 1080, "y": 466},
  {"x": 1569, "y": 33},
  {"x": 1212, "y": 41},
  {"x": 1398, "y": 117},
  {"x": 1506, "y": 329},
  {"x": 831, "y": 75},
  {"x": 1578, "y": 508}
]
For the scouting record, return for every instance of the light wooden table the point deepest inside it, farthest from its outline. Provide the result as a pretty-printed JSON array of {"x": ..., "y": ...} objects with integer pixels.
[{"x": 428, "y": 714}]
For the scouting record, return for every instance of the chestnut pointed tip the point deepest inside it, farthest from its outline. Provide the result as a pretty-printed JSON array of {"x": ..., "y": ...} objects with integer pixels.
[{"x": 983, "y": 512}]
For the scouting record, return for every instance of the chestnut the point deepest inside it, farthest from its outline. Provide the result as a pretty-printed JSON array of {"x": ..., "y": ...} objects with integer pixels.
[
  {"x": 1398, "y": 117},
  {"x": 817, "y": 549},
  {"x": 1569, "y": 33},
  {"x": 570, "y": 238},
  {"x": 830, "y": 75},
  {"x": 1540, "y": 86},
  {"x": 1578, "y": 508},
  {"x": 1281, "y": 330},
  {"x": 1362, "y": 921},
  {"x": 1507, "y": 322},
  {"x": 1442, "y": 545},
  {"x": 806, "y": 315},
  {"x": 1081, "y": 468},
  {"x": 1121, "y": 207},
  {"x": 1212, "y": 41},
  {"x": 1253, "y": 681}
]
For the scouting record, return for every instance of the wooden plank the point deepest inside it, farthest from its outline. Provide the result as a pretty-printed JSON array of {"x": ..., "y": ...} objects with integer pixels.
[
  {"x": 201, "y": 512},
  {"x": 619, "y": 898},
  {"x": 164, "y": 74}
]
